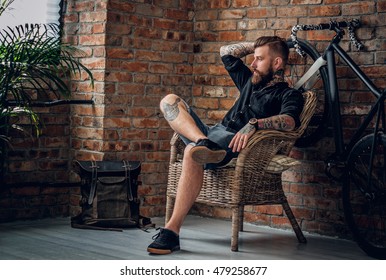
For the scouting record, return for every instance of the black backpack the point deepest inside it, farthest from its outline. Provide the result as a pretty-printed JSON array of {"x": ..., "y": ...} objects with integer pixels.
[{"x": 109, "y": 195}]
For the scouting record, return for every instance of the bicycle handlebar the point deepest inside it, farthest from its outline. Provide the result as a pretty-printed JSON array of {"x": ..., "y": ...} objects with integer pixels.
[{"x": 351, "y": 25}]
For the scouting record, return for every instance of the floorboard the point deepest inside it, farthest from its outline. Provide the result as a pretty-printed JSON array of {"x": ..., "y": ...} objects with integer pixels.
[{"x": 201, "y": 239}]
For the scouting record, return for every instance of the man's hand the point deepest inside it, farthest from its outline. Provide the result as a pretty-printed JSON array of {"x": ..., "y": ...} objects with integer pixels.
[{"x": 241, "y": 138}]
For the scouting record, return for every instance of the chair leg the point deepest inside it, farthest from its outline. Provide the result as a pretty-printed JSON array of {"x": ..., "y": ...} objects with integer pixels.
[
  {"x": 294, "y": 223},
  {"x": 169, "y": 208},
  {"x": 235, "y": 229},
  {"x": 241, "y": 217}
]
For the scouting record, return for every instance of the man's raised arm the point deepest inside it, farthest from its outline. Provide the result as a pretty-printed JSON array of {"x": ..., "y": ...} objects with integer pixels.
[{"x": 237, "y": 50}]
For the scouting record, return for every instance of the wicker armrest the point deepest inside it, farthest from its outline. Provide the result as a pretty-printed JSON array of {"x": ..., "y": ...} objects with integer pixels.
[
  {"x": 262, "y": 147},
  {"x": 260, "y": 135},
  {"x": 177, "y": 148}
]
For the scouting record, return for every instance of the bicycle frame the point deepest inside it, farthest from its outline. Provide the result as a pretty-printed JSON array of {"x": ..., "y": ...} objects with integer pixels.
[
  {"x": 360, "y": 164},
  {"x": 333, "y": 94},
  {"x": 328, "y": 60}
]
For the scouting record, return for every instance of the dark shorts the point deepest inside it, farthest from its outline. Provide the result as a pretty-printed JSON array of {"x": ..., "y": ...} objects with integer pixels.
[{"x": 216, "y": 133}]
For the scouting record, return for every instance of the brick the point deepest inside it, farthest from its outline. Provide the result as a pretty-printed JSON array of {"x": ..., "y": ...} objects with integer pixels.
[
  {"x": 163, "y": 23},
  {"x": 83, "y": 132},
  {"x": 324, "y": 11},
  {"x": 146, "y": 78},
  {"x": 231, "y": 36},
  {"x": 145, "y": 123},
  {"x": 71, "y": 18},
  {"x": 224, "y": 213},
  {"x": 363, "y": 7},
  {"x": 149, "y": 10},
  {"x": 296, "y": 11},
  {"x": 281, "y": 24},
  {"x": 161, "y": 68},
  {"x": 117, "y": 123},
  {"x": 261, "y": 13},
  {"x": 224, "y": 25},
  {"x": 121, "y": 6},
  {"x": 218, "y": 4},
  {"x": 135, "y": 66},
  {"x": 91, "y": 145},
  {"x": 149, "y": 33},
  {"x": 93, "y": 16},
  {"x": 336, "y": 1},
  {"x": 241, "y": 3},
  {"x": 127, "y": 90},
  {"x": 119, "y": 53},
  {"x": 381, "y": 6},
  {"x": 206, "y": 103},
  {"x": 206, "y": 15},
  {"x": 306, "y": 2},
  {"x": 22, "y": 166},
  {"x": 232, "y": 14},
  {"x": 86, "y": 6},
  {"x": 178, "y": 14}
]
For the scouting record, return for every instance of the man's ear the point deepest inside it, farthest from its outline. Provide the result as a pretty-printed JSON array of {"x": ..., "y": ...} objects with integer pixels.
[{"x": 278, "y": 63}]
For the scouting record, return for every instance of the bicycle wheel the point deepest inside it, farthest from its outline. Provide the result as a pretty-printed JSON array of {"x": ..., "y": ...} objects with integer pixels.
[
  {"x": 364, "y": 195},
  {"x": 297, "y": 66}
]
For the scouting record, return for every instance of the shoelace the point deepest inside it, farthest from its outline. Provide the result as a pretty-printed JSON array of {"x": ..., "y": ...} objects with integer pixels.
[{"x": 155, "y": 236}]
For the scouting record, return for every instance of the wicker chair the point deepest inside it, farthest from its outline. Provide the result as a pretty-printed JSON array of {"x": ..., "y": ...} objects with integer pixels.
[{"x": 249, "y": 181}]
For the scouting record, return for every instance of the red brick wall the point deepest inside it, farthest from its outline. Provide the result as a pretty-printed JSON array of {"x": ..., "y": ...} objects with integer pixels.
[
  {"x": 315, "y": 199},
  {"x": 141, "y": 50}
]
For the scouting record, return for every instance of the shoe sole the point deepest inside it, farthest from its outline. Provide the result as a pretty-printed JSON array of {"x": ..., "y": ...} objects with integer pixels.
[
  {"x": 162, "y": 251},
  {"x": 203, "y": 155}
]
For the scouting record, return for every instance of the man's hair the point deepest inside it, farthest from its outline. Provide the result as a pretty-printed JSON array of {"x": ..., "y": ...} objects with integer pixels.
[{"x": 277, "y": 46}]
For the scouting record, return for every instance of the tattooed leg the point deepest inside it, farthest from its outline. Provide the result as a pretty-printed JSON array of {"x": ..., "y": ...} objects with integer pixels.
[
  {"x": 172, "y": 111},
  {"x": 176, "y": 112}
]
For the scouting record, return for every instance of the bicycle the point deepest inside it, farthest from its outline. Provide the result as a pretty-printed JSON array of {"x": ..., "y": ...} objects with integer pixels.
[{"x": 361, "y": 161}]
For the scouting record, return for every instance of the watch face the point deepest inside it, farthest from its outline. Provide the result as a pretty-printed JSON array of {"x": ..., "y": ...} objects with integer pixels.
[{"x": 253, "y": 121}]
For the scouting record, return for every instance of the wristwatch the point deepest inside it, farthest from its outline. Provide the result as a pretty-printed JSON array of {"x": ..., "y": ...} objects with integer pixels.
[{"x": 254, "y": 122}]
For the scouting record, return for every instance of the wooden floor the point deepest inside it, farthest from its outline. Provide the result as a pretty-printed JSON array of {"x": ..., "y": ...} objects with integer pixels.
[{"x": 201, "y": 239}]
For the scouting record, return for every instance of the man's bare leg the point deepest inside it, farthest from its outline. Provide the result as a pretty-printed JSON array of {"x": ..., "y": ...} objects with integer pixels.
[
  {"x": 189, "y": 187},
  {"x": 176, "y": 113}
]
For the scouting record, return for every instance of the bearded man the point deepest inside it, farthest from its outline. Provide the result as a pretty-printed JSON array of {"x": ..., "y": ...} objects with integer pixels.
[{"x": 265, "y": 102}]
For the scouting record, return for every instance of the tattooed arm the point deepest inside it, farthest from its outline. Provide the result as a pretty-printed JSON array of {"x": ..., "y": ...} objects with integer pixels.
[
  {"x": 278, "y": 122},
  {"x": 238, "y": 50}
]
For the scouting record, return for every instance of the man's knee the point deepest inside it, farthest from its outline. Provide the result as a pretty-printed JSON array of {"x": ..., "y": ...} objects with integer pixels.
[
  {"x": 172, "y": 101},
  {"x": 168, "y": 99}
]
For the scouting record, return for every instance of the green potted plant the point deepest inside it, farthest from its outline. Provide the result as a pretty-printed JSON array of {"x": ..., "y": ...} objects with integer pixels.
[{"x": 34, "y": 63}]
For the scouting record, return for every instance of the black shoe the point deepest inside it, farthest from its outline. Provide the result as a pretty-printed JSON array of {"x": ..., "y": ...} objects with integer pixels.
[
  {"x": 165, "y": 242},
  {"x": 207, "y": 151}
]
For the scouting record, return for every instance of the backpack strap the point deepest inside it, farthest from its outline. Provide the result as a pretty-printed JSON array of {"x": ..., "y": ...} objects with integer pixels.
[
  {"x": 126, "y": 166},
  {"x": 94, "y": 179}
]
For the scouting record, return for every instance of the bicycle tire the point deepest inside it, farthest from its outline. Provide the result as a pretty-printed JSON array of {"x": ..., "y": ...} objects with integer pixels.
[
  {"x": 297, "y": 66},
  {"x": 365, "y": 204}
]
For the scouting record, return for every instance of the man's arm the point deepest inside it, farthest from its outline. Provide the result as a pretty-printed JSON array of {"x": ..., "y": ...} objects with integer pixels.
[
  {"x": 278, "y": 122},
  {"x": 237, "y": 50}
]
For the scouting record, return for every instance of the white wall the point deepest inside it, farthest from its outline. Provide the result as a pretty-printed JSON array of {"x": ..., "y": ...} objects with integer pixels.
[{"x": 30, "y": 11}]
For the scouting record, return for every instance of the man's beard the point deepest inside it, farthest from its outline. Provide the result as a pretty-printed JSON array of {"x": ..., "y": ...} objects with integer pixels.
[{"x": 259, "y": 77}]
